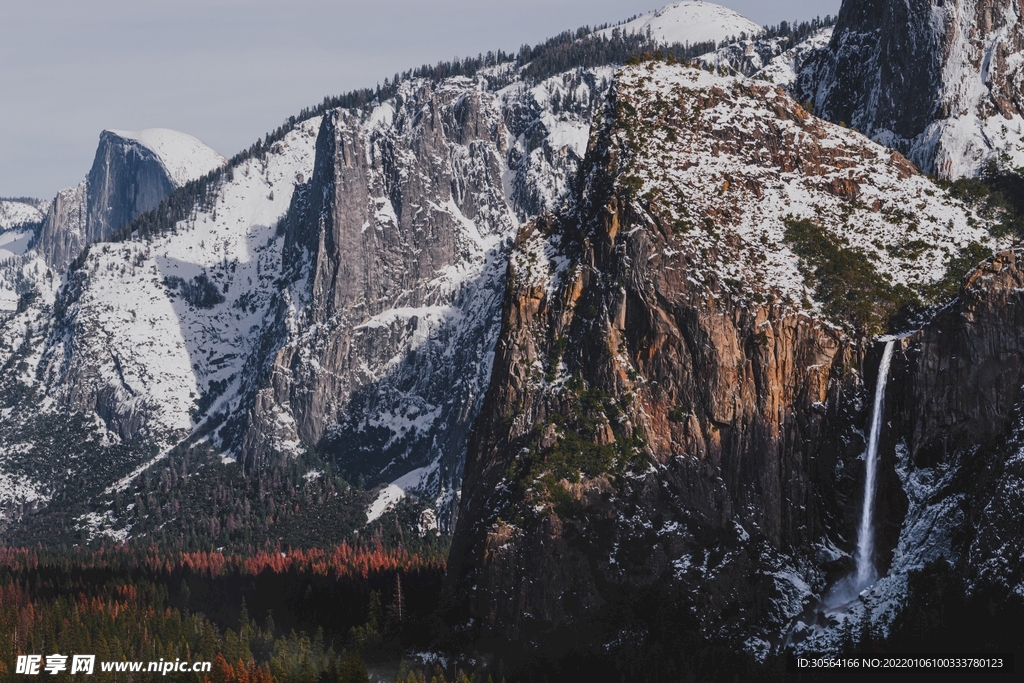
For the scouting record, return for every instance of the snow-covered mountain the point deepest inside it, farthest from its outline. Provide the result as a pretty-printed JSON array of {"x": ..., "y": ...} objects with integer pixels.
[
  {"x": 769, "y": 59},
  {"x": 641, "y": 299},
  {"x": 942, "y": 82},
  {"x": 783, "y": 68},
  {"x": 182, "y": 156},
  {"x": 15, "y": 213},
  {"x": 130, "y": 174},
  {"x": 176, "y": 315},
  {"x": 253, "y": 319},
  {"x": 38, "y": 243},
  {"x": 14, "y": 242},
  {"x": 690, "y": 22},
  {"x": 678, "y": 369},
  {"x": 20, "y": 222}
]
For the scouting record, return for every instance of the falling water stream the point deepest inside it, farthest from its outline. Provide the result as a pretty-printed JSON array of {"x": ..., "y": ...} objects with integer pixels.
[
  {"x": 847, "y": 589},
  {"x": 866, "y": 573}
]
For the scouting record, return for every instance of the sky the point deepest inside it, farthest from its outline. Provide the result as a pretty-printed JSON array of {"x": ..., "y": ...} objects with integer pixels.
[{"x": 228, "y": 71}]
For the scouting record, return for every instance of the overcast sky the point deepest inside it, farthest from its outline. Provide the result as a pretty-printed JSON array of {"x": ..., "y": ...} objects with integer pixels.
[{"x": 228, "y": 71}]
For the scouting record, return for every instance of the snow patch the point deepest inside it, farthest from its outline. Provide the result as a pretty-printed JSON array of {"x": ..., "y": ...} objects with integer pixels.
[
  {"x": 14, "y": 243},
  {"x": 15, "y": 213},
  {"x": 391, "y": 494}
]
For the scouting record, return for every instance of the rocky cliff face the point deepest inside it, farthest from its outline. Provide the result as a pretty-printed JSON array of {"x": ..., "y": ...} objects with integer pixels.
[
  {"x": 339, "y": 290},
  {"x": 769, "y": 59},
  {"x": 400, "y": 242},
  {"x": 149, "y": 334},
  {"x": 940, "y": 81},
  {"x": 671, "y": 414},
  {"x": 399, "y": 235},
  {"x": 957, "y": 423},
  {"x": 62, "y": 235},
  {"x": 953, "y": 438},
  {"x": 127, "y": 178},
  {"x": 965, "y": 366},
  {"x": 680, "y": 342}
]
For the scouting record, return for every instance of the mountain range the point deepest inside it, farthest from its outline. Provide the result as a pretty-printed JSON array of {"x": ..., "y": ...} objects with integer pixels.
[{"x": 612, "y": 329}]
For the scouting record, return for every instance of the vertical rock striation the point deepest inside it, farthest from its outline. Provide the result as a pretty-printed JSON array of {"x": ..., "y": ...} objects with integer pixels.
[
  {"x": 396, "y": 248},
  {"x": 961, "y": 418},
  {"x": 397, "y": 236}
]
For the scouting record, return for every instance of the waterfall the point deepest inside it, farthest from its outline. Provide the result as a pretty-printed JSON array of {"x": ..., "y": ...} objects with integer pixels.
[{"x": 866, "y": 573}]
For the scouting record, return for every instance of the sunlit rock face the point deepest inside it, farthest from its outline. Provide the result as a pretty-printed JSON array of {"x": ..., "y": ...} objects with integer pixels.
[{"x": 669, "y": 418}]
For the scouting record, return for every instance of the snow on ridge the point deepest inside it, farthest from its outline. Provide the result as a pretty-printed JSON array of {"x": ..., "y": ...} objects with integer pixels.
[
  {"x": 183, "y": 157},
  {"x": 782, "y": 70},
  {"x": 551, "y": 145},
  {"x": 391, "y": 494},
  {"x": 759, "y": 194},
  {"x": 690, "y": 21},
  {"x": 161, "y": 353},
  {"x": 15, "y": 213},
  {"x": 962, "y": 146},
  {"x": 14, "y": 489}
]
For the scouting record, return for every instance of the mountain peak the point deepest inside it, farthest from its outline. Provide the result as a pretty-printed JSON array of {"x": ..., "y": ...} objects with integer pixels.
[
  {"x": 691, "y": 21},
  {"x": 183, "y": 157}
]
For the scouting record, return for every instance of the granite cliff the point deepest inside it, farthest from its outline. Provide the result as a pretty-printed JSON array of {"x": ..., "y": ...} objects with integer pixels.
[
  {"x": 940, "y": 81},
  {"x": 675, "y": 412},
  {"x": 616, "y": 327},
  {"x": 130, "y": 174}
]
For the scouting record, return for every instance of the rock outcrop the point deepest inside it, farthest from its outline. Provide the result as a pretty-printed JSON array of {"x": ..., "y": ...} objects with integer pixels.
[
  {"x": 940, "y": 81},
  {"x": 397, "y": 248},
  {"x": 63, "y": 233},
  {"x": 400, "y": 238},
  {"x": 665, "y": 416},
  {"x": 127, "y": 178},
  {"x": 967, "y": 365},
  {"x": 337, "y": 290},
  {"x": 148, "y": 333},
  {"x": 954, "y": 436},
  {"x": 960, "y": 414}
]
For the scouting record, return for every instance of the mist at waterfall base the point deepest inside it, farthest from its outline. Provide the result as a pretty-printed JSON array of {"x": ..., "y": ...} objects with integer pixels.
[{"x": 865, "y": 574}]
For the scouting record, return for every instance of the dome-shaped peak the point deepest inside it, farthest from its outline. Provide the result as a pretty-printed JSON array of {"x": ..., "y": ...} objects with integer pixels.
[
  {"x": 183, "y": 157},
  {"x": 691, "y": 21}
]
